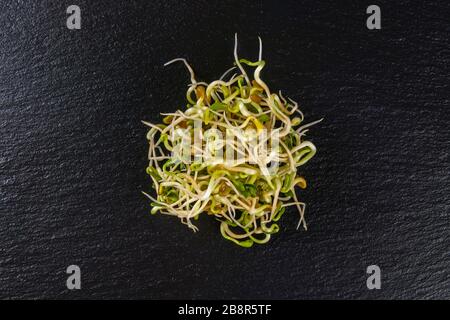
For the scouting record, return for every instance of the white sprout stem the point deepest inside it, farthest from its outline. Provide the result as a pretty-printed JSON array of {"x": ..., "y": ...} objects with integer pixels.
[{"x": 191, "y": 71}]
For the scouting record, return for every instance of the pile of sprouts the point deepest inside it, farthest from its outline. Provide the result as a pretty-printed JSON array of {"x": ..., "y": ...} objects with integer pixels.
[{"x": 249, "y": 193}]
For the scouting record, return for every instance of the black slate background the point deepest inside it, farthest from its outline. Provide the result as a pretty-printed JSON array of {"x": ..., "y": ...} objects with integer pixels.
[{"x": 73, "y": 150}]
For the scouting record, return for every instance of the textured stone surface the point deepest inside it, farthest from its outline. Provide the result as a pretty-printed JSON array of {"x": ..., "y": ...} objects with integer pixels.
[{"x": 73, "y": 150}]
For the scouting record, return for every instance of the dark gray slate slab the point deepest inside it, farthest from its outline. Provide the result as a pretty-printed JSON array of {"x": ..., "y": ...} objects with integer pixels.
[{"x": 73, "y": 150}]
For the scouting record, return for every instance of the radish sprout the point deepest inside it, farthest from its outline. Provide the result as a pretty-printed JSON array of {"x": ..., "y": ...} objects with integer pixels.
[{"x": 247, "y": 189}]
